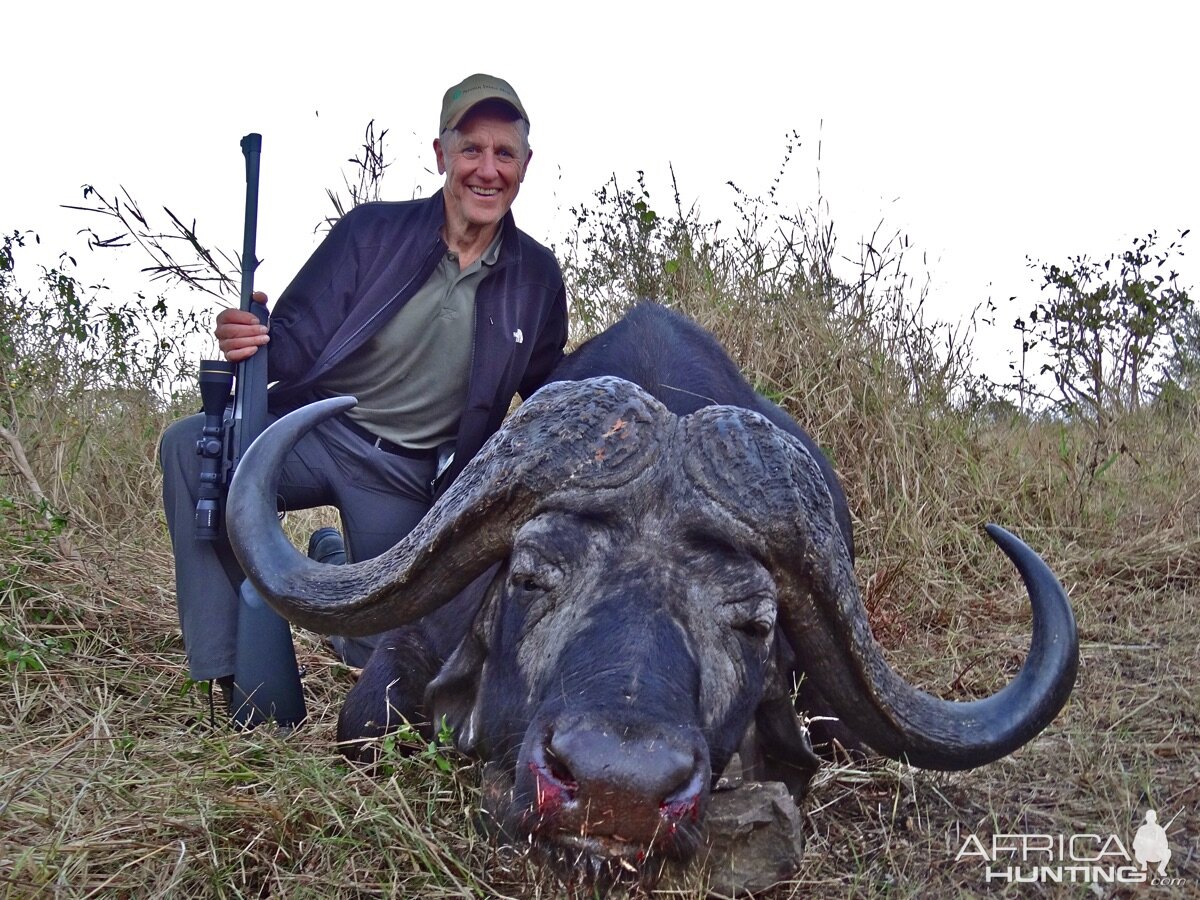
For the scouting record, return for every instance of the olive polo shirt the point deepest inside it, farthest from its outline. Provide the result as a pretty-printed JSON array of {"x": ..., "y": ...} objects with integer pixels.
[{"x": 411, "y": 378}]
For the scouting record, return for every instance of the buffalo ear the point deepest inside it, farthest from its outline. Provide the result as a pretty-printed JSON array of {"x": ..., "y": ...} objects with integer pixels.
[
  {"x": 781, "y": 750},
  {"x": 777, "y": 747},
  {"x": 453, "y": 695},
  {"x": 831, "y": 738}
]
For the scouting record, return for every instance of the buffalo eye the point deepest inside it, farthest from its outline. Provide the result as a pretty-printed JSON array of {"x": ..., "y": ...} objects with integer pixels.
[
  {"x": 529, "y": 578},
  {"x": 755, "y": 628},
  {"x": 529, "y": 583},
  {"x": 755, "y": 617}
]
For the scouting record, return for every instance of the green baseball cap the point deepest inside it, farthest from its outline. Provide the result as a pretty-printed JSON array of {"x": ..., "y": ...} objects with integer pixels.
[{"x": 475, "y": 89}]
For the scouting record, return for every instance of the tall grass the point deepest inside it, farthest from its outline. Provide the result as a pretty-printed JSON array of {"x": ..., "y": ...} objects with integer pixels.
[{"x": 116, "y": 782}]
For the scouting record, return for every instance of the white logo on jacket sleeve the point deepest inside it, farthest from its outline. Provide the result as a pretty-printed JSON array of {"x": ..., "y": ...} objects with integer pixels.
[{"x": 518, "y": 336}]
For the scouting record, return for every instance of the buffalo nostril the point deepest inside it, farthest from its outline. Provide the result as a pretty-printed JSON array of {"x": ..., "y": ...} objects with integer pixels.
[
  {"x": 554, "y": 784},
  {"x": 684, "y": 804}
]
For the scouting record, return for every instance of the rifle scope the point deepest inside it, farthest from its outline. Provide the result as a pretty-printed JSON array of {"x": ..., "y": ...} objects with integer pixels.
[{"x": 216, "y": 384}]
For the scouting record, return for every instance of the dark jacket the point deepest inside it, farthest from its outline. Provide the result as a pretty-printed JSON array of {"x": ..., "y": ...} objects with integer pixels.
[{"x": 371, "y": 263}]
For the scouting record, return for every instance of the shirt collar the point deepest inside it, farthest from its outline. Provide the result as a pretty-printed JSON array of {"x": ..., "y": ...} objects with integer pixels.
[
  {"x": 490, "y": 256},
  {"x": 492, "y": 253}
]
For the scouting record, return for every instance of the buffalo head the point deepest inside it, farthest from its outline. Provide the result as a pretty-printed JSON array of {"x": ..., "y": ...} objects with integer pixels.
[{"x": 657, "y": 580}]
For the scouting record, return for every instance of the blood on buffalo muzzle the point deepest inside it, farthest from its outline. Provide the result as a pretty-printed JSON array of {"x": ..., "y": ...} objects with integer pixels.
[{"x": 632, "y": 786}]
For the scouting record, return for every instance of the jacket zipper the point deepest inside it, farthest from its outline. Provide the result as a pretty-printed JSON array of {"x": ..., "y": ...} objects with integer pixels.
[
  {"x": 424, "y": 270},
  {"x": 500, "y": 266}
]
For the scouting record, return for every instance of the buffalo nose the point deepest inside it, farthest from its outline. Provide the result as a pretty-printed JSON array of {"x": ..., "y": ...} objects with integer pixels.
[{"x": 622, "y": 783}]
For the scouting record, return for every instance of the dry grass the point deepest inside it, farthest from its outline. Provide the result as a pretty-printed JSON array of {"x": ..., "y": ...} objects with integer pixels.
[{"x": 114, "y": 782}]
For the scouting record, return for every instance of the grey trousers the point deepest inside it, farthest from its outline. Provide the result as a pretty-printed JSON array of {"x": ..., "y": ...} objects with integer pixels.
[{"x": 381, "y": 496}]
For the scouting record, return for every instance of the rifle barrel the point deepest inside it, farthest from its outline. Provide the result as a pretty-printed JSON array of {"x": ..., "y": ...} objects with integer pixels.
[
  {"x": 252, "y": 150},
  {"x": 250, "y": 398}
]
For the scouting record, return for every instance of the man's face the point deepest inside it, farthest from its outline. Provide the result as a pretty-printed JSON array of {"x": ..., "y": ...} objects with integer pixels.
[{"x": 484, "y": 162}]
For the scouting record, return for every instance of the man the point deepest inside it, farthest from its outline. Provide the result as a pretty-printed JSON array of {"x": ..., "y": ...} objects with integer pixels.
[{"x": 433, "y": 313}]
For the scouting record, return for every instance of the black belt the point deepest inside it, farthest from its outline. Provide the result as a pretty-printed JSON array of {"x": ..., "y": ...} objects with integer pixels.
[{"x": 389, "y": 446}]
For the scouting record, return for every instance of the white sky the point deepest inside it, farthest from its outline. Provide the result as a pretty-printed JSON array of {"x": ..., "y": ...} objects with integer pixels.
[{"x": 983, "y": 132}]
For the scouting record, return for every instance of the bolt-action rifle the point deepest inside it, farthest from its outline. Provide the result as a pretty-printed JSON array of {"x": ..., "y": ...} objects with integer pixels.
[{"x": 266, "y": 678}]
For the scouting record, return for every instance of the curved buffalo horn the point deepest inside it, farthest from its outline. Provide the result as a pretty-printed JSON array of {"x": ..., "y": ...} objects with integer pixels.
[
  {"x": 595, "y": 436},
  {"x": 776, "y": 499}
]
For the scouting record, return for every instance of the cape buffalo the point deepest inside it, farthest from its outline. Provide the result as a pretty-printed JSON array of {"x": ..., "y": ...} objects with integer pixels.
[{"x": 621, "y": 591}]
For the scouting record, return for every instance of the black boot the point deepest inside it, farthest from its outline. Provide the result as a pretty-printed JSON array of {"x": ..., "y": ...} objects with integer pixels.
[{"x": 326, "y": 545}]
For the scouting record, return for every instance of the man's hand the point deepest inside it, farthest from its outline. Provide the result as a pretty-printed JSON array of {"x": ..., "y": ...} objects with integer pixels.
[{"x": 238, "y": 333}]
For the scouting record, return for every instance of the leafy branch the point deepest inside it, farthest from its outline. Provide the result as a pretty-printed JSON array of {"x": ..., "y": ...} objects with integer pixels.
[
  {"x": 370, "y": 167},
  {"x": 179, "y": 256},
  {"x": 1104, "y": 327}
]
